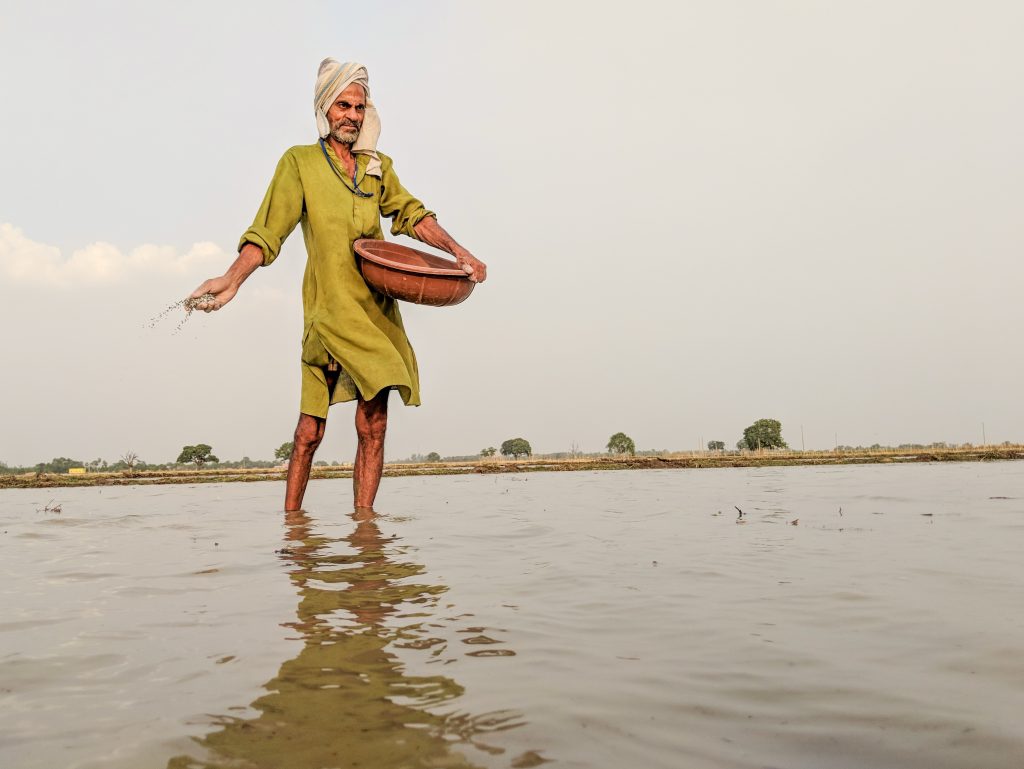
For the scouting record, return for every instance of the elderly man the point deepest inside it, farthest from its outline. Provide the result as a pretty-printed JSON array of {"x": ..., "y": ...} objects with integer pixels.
[{"x": 354, "y": 345}]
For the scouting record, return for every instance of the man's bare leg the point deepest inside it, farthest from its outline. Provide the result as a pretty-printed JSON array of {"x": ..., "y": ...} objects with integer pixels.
[
  {"x": 371, "y": 424},
  {"x": 308, "y": 435}
]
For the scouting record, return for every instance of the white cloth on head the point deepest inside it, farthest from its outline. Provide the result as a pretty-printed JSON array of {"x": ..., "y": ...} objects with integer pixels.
[{"x": 333, "y": 78}]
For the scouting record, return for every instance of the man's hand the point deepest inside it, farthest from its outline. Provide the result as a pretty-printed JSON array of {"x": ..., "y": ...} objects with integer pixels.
[
  {"x": 226, "y": 286},
  {"x": 223, "y": 291},
  {"x": 473, "y": 267},
  {"x": 432, "y": 233}
]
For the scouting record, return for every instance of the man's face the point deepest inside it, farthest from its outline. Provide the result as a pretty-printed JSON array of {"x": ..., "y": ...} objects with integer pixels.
[{"x": 346, "y": 114}]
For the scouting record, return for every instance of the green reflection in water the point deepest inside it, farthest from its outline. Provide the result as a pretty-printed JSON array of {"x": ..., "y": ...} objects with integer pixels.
[{"x": 345, "y": 700}]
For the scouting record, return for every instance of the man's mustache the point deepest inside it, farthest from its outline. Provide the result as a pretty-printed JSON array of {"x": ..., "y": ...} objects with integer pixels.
[{"x": 346, "y": 122}]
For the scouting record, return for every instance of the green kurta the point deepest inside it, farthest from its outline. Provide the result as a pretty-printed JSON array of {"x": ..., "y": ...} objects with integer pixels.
[{"x": 343, "y": 317}]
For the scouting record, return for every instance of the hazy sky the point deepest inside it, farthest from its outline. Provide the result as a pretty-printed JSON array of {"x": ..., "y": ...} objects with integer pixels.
[{"x": 695, "y": 215}]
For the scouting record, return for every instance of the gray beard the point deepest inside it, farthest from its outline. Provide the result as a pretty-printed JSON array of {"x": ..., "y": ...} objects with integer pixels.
[{"x": 344, "y": 137}]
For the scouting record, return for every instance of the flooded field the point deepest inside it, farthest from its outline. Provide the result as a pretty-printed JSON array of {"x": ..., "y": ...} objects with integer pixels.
[{"x": 850, "y": 617}]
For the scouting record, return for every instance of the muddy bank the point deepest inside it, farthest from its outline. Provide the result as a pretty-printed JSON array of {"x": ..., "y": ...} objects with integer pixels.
[{"x": 684, "y": 460}]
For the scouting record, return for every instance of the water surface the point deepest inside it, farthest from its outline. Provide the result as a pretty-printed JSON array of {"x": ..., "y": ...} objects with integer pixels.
[{"x": 610, "y": 619}]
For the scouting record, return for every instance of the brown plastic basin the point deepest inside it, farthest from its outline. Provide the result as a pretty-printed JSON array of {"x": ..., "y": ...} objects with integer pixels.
[{"x": 410, "y": 275}]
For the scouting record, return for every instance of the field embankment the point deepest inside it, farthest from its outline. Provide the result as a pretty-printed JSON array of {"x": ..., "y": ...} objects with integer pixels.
[{"x": 679, "y": 460}]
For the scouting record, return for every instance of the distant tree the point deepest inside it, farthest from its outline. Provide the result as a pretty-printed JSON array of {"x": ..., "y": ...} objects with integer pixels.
[
  {"x": 764, "y": 434},
  {"x": 490, "y": 451},
  {"x": 320, "y": 463},
  {"x": 130, "y": 458},
  {"x": 433, "y": 456},
  {"x": 516, "y": 447},
  {"x": 284, "y": 451},
  {"x": 58, "y": 465},
  {"x": 201, "y": 453},
  {"x": 716, "y": 445},
  {"x": 620, "y": 443}
]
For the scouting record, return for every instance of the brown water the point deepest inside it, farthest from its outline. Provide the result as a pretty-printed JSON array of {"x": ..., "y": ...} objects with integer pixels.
[{"x": 586, "y": 619}]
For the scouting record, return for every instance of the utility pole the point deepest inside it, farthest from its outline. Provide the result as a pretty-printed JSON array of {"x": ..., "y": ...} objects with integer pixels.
[
  {"x": 802, "y": 447},
  {"x": 984, "y": 440}
]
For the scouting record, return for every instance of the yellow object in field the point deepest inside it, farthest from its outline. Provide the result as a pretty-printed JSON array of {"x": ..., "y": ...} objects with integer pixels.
[{"x": 76, "y": 471}]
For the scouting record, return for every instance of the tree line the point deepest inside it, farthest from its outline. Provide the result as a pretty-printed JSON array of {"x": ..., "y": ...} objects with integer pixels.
[{"x": 764, "y": 434}]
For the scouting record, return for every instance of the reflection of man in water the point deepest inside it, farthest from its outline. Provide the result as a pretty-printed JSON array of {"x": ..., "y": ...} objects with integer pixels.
[
  {"x": 346, "y": 699},
  {"x": 354, "y": 345}
]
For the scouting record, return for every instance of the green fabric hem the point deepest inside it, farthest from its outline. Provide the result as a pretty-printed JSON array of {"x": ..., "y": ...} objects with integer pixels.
[{"x": 315, "y": 398}]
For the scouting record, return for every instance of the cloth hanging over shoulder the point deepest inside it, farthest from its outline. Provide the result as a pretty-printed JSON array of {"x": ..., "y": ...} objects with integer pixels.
[{"x": 333, "y": 78}]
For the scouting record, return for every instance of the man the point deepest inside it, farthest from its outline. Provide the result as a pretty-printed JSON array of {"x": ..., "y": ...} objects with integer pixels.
[{"x": 354, "y": 345}]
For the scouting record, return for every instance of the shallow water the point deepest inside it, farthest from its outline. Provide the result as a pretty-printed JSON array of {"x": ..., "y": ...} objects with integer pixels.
[{"x": 616, "y": 619}]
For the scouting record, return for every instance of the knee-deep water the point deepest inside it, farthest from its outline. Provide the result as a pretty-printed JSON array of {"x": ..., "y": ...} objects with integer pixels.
[{"x": 851, "y": 617}]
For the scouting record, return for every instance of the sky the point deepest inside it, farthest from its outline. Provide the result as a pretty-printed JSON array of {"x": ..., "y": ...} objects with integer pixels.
[{"x": 694, "y": 215}]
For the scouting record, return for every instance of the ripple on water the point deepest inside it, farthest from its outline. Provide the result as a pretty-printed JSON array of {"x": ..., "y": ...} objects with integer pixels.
[{"x": 597, "y": 620}]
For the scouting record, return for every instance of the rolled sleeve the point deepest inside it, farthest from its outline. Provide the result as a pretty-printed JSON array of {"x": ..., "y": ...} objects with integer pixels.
[
  {"x": 397, "y": 204},
  {"x": 280, "y": 212}
]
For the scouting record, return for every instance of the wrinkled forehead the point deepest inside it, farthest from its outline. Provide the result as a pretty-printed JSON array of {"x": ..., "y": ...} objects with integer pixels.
[{"x": 353, "y": 93}]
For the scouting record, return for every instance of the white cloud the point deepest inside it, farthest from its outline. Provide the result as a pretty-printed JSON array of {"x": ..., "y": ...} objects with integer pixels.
[{"x": 25, "y": 261}]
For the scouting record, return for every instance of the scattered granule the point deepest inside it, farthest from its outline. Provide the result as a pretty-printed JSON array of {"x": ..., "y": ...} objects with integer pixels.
[{"x": 190, "y": 305}]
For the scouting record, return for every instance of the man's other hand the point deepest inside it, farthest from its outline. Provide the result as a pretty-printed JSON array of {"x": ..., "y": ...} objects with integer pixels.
[
  {"x": 430, "y": 232},
  {"x": 473, "y": 267}
]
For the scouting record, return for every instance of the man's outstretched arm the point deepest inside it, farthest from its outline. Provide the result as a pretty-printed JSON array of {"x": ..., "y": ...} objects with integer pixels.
[
  {"x": 433, "y": 234},
  {"x": 226, "y": 286},
  {"x": 261, "y": 243}
]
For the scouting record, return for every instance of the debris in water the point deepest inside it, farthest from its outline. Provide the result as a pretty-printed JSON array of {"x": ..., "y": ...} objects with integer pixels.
[
  {"x": 532, "y": 758},
  {"x": 50, "y": 508},
  {"x": 795, "y": 522}
]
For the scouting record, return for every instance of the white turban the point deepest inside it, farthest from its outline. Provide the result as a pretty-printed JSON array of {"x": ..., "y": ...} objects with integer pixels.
[{"x": 331, "y": 80}]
